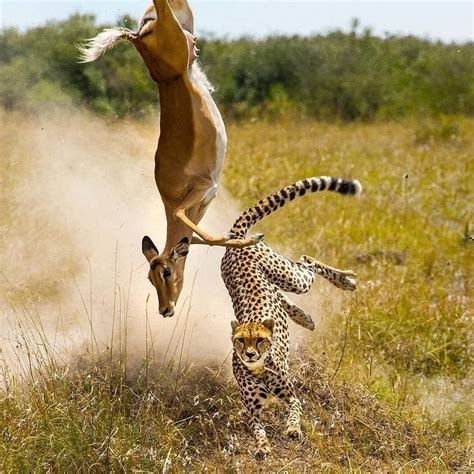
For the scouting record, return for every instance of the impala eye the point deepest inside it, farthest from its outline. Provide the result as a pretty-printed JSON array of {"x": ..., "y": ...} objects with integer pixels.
[
  {"x": 167, "y": 272},
  {"x": 145, "y": 21}
]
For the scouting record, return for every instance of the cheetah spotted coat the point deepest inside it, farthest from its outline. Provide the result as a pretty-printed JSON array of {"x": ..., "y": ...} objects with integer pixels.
[{"x": 255, "y": 278}]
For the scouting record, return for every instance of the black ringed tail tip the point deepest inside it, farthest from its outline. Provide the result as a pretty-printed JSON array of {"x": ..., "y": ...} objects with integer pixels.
[{"x": 277, "y": 200}]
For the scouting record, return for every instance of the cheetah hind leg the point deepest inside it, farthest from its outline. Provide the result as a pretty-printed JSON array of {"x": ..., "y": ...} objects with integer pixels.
[
  {"x": 295, "y": 313},
  {"x": 343, "y": 279}
]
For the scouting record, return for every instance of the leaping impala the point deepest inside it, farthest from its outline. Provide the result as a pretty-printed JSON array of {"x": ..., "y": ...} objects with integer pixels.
[{"x": 192, "y": 143}]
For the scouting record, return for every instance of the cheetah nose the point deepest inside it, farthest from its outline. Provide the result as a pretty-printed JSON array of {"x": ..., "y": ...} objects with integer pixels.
[{"x": 250, "y": 354}]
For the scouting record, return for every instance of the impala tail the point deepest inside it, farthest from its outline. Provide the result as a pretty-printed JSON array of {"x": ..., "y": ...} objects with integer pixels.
[
  {"x": 95, "y": 47},
  {"x": 275, "y": 201}
]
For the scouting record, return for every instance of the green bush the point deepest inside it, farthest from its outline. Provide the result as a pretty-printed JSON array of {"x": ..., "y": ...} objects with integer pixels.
[
  {"x": 342, "y": 76},
  {"x": 442, "y": 129}
]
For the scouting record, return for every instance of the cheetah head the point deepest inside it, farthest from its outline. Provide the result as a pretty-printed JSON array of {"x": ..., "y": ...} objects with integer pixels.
[{"x": 252, "y": 341}]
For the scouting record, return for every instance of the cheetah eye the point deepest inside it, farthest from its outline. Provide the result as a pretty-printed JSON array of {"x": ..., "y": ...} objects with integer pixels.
[
  {"x": 167, "y": 272},
  {"x": 260, "y": 340},
  {"x": 241, "y": 340}
]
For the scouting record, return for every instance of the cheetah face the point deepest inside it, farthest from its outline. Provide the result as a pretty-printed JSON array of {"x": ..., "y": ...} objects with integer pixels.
[{"x": 252, "y": 341}]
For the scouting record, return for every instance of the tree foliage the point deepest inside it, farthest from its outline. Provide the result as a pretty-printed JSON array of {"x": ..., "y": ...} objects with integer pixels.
[{"x": 347, "y": 76}]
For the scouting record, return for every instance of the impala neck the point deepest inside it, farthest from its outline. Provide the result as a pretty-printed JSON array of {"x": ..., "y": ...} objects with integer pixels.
[
  {"x": 185, "y": 102},
  {"x": 185, "y": 126},
  {"x": 176, "y": 111}
]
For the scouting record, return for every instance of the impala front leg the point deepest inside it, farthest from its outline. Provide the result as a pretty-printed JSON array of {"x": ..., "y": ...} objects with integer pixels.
[
  {"x": 232, "y": 242},
  {"x": 223, "y": 241}
]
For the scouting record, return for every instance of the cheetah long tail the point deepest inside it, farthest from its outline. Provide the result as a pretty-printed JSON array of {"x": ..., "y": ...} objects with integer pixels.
[{"x": 275, "y": 201}]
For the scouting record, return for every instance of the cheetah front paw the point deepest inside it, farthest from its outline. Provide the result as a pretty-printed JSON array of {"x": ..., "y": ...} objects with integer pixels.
[
  {"x": 242, "y": 243},
  {"x": 262, "y": 452},
  {"x": 294, "y": 432}
]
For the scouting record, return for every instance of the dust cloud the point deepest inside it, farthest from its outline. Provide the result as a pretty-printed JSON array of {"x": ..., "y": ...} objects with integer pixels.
[{"x": 78, "y": 194}]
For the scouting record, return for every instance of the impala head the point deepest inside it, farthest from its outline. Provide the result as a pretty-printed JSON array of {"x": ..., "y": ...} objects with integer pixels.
[
  {"x": 166, "y": 273},
  {"x": 164, "y": 39},
  {"x": 252, "y": 341}
]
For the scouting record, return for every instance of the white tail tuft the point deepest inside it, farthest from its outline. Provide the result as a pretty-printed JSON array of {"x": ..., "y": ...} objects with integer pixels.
[
  {"x": 358, "y": 187},
  {"x": 95, "y": 47}
]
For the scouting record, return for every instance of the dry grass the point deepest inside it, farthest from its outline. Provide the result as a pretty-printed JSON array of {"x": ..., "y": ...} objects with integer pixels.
[
  {"x": 398, "y": 399},
  {"x": 93, "y": 415},
  {"x": 408, "y": 237}
]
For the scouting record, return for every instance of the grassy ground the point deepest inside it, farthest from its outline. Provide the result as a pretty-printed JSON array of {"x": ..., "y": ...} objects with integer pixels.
[
  {"x": 409, "y": 236},
  {"x": 385, "y": 385}
]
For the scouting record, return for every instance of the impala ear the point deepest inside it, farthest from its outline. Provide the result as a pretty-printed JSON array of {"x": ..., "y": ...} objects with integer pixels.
[
  {"x": 180, "y": 250},
  {"x": 234, "y": 324},
  {"x": 149, "y": 249},
  {"x": 269, "y": 323}
]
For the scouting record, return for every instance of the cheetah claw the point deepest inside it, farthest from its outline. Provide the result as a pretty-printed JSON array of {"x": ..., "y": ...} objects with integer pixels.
[
  {"x": 258, "y": 237},
  {"x": 230, "y": 235},
  {"x": 262, "y": 453}
]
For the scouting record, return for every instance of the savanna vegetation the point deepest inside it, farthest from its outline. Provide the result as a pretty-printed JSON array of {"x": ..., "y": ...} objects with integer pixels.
[
  {"x": 386, "y": 378},
  {"x": 346, "y": 76}
]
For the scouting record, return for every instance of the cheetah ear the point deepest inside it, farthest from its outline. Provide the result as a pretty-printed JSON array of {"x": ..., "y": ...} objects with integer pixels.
[
  {"x": 269, "y": 323},
  {"x": 234, "y": 325}
]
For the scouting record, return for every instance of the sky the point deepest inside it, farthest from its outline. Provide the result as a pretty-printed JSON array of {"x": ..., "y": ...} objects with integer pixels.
[{"x": 437, "y": 20}]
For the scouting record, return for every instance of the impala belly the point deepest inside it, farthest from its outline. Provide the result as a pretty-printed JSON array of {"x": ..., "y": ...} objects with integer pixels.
[{"x": 211, "y": 164}]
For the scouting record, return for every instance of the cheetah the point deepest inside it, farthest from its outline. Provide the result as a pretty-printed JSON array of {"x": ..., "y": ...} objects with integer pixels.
[{"x": 256, "y": 278}]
